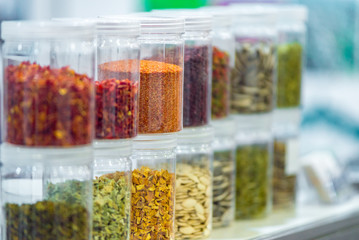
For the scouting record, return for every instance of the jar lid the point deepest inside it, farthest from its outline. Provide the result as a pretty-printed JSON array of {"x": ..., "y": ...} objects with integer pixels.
[
  {"x": 196, "y": 135},
  {"x": 20, "y": 155},
  {"x": 253, "y": 13},
  {"x": 156, "y": 24},
  {"x": 253, "y": 121},
  {"x": 46, "y": 29},
  {"x": 220, "y": 15},
  {"x": 106, "y": 147},
  {"x": 162, "y": 141},
  {"x": 194, "y": 19},
  {"x": 224, "y": 127},
  {"x": 292, "y": 12}
]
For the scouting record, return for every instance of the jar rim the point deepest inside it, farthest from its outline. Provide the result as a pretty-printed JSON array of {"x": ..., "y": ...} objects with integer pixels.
[{"x": 197, "y": 135}]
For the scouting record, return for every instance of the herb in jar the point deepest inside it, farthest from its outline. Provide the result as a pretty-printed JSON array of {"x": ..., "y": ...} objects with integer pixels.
[
  {"x": 252, "y": 184},
  {"x": 196, "y": 86},
  {"x": 47, "y": 220},
  {"x": 252, "y": 79},
  {"x": 152, "y": 204},
  {"x": 193, "y": 197},
  {"x": 289, "y": 75},
  {"x": 111, "y": 206},
  {"x": 71, "y": 191},
  {"x": 220, "y": 84},
  {"x": 284, "y": 186},
  {"x": 223, "y": 188},
  {"x": 45, "y": 106}
]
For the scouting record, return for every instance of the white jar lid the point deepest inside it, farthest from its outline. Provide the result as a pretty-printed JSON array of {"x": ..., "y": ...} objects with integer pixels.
[
  {"x": 46, "y": 30},
  {"x": 253, "y": 13},
  {"x": 221, "y": 15},
  {"x": 163, "y": 141},
  {"x": 110, "y": 147},
  {"x": 292, "y": 12},
  {"x": 196, "y": 135}
]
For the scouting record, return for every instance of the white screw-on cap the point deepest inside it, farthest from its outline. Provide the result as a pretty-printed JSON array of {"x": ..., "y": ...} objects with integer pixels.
[
  {"x": 196, "y": 135},
  {"x": 46, "y": 30},
  {"x": 292, "y": 12},
  {"x": 253, "y": 13}
]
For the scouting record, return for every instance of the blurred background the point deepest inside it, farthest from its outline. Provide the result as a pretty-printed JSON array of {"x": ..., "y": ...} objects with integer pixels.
[{"x": 331, "y": 87}]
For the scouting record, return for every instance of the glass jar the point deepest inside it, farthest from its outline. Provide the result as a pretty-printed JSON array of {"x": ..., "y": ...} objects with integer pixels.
[
  {"x": 291, "y": 49},
  {"x": 153, "y": 187},
  {"x": 224, "y": 173},
  {"x": 253, "y": 76},
  {"x": 194, "y": 180},
  {"x": 48, "y": 89},
  {"x": 112, "y": 189},
  {"x": 253, "y": 176},
  {"x": 46, "y": 193}
]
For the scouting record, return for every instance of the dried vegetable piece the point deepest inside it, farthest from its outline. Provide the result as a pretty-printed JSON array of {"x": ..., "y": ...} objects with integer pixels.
[
  {"x": 111, "y": 206},
  {"x": 252, "y": 79},
  {"x": 46, "y": 106},
  {"x": 289, "y": 75},
  {"x": 193, "y": 198},
  {"x": 220, "y": 84},
  {"x": 284, "y": 186},
  {"x": 252, "y": 184},
  {"x": 152, "y": 204},
  {"x": 160, "y": 102},
  {"x": 196, "y": 86},
  {"x": 47, "y": 220},
  {"x": 223, "y": 188},
  {"x": 116, "y": 109}
]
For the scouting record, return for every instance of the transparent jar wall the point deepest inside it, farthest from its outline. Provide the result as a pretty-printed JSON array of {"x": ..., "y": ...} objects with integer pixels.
[
  {"x": 285, "y": 166},
  {"x": 224, "y": 172},
  {"x": 153, "y": 190},
  {"x": 112, "y": 191},
  {"x": 46, "y": 195},
  {"x": 43, "y": 79},
  {"x": 253, "y": 76},
  {"x": 117, "y": 86},
  {"x": 253, "y": 175},
  {"x": 222, "y": 64},
  {"x": 161, "y": 78},
  {"x": 197, "y": 79},
  {"x": 194, "y": 171},
  {"x": 291, "y": 62}
]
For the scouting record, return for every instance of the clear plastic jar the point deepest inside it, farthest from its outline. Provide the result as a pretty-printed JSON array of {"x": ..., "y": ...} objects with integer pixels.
[
  {"x": 194, "y": 181},
  {"x": 153, "y": 187},
  {"x": 112, "y": 189},
  {"x": 253, "y": 76},
  {"x": 291, "y": 49},
  {"x": 46, "y": 193},
  {"x": 48, "y": 89},
  {"x": 253, "y": 177},
  {"x": 224, "y": 173}
]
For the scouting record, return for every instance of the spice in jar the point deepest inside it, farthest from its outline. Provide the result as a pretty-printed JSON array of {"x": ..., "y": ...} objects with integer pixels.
[
  {"x": 196, "y": 86},
  {"x": 193, "y": 197},
  {"x": 223, "y": 188},
  {"x": 220, "y": 84},
  {"x": 152, "y": 204},
  {"x": 284, "y": 186},
  {"x": 45, "y": 106},
  {"x": 252, "y": 184},
  {"x": 252, "y": 79},
  {"x": 47, "y": 220},
  {"x": 289, "y": 75},
  {"x": 111, "y": 206},
  {"x": 116, "y": 109},
  {"x": 160, "y": 101}
]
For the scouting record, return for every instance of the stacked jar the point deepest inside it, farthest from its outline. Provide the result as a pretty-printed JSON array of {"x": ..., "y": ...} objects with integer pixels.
[
  {"x": 292, "y": 35},
  {"x": 252, "y": 99},
  {"x": 47, "y": 126},
  {"x": 160, "y": 118}
]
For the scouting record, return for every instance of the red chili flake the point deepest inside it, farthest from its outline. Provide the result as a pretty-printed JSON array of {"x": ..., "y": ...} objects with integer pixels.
[
  {"x": 47, "y": 107},
  {"x": 220, "y": 84},
  {"x": 160, "y": 101}
]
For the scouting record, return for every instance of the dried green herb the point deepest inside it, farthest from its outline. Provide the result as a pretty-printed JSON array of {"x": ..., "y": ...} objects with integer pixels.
[
  {"x": 252, "y": 181},
  {"x": 111, "y": 207},
  {"x": 284, "y": 186},
  {"x": 47, "y": 220},
  {"x": 223, "y": 188},
  {"x": 289, "y": 75}
]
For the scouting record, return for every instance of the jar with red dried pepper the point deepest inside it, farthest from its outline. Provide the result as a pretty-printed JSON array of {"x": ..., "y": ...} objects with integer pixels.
[{"x": 48, "y": 90}]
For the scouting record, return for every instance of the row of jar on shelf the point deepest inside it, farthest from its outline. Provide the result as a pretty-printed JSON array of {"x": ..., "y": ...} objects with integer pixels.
[{"x": 154, "y": 75}]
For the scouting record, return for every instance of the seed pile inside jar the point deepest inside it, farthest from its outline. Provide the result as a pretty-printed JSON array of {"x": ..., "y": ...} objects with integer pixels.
[
  {"x": 252, "y": 79},
  {"x": 252, "y": 184},
  {"x": 284, "y": 186},
  {"x": 193, "y": 198},
  {"x": 223, "y": 188}
]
